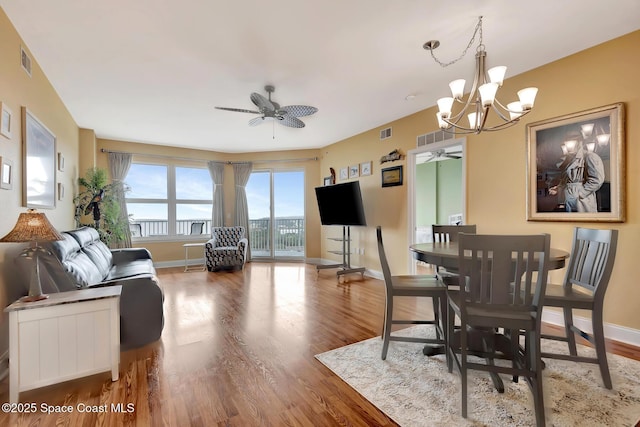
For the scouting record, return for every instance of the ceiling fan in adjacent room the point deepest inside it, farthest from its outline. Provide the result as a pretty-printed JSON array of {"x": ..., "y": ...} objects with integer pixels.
[
  {"x": 443, "y": 154},
  {"x": 271, "y": 110}
]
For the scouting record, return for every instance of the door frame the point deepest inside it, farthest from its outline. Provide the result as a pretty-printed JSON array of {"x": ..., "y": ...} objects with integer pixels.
[{"x": 412, "y": 156}]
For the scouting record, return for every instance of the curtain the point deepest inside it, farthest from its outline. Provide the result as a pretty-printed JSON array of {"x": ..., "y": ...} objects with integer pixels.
[
  {"x": 216, "y": 170},
  {"x": 241, "y": 175},
  {"x": 119, "y": 164}
]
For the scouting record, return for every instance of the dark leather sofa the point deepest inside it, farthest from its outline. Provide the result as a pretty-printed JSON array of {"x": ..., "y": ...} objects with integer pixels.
[{"x": 82, "y": 260}]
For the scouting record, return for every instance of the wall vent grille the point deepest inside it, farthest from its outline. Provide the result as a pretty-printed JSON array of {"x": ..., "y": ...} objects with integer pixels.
[
  {"x": 385, "y": 133},
  {"x": 25, "y": 60},
  {"x": 433, "y": 137}
]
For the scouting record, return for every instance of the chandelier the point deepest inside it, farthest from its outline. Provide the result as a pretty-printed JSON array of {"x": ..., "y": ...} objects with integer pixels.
[{"x": 482, "y": 97}]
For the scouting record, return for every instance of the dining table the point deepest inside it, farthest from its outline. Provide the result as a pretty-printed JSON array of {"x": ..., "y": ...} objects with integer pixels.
[{"x": 445, "y": 254}]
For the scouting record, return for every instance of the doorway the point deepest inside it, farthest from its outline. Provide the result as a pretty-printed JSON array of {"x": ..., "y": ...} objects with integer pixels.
[{"x": 436, "y": 189}]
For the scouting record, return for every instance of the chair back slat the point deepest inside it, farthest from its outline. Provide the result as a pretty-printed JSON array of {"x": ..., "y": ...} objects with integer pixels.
[
  {"x": 499, "y": 269},
  {"x": 592, "y": 257},
  {"x": 449, "y": 233}
]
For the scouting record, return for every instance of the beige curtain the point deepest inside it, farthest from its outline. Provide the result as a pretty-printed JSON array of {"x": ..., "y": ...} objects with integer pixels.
[
  {"x": 119, "y": 164},
  {"x": 216, "y": 170},
  {"x": 241, "y": 175}
]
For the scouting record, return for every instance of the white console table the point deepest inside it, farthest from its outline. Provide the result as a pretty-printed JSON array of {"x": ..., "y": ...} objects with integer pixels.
[{"x": 66, "y": 336}]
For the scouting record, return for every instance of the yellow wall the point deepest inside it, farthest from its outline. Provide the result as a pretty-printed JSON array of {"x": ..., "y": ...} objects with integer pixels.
[
  {"x": 173, "y": 250},
  {"x": 496, "y": 166},
  {"x": 17, "y": 89}
]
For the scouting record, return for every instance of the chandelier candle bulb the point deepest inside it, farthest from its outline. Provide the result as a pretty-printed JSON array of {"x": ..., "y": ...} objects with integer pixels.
[
  {"x": 603, "y": 139},
  {"x": 515, "y": 110},
  {"x": 587, "y": 130},
  {"x": 457, "y": 88},
  {"x": 527, "y": 97},
  {"x": 444, "y": 105},
  {"x": 496, "y": 74},
  {"x": 488, "y": 93}
]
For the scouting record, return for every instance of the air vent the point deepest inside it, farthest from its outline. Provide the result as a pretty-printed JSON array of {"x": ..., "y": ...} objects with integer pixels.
[
  {"x": 25, "y": 60},
  {"x": 385, "y": 133},
  {"x": 433, "y": 137}
]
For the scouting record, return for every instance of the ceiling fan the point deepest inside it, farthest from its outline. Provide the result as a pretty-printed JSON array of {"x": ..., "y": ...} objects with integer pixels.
[
  {"x": 442, "y": 154},
  {"x": 271, "y": 110}
]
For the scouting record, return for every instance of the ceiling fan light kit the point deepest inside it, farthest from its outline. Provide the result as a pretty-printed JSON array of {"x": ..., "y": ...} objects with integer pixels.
[
  {"x": 272, "y": 111},
  {"x": 482, "y": 97}
]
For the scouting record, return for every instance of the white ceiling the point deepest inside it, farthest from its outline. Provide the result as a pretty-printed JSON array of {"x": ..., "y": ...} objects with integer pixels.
[{"x": 152, "y": 70}]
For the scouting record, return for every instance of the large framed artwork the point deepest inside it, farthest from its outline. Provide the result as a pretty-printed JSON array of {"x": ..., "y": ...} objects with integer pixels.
[
  {"x": 39, "y": 168},
  {"x": 576, "y": 167}
]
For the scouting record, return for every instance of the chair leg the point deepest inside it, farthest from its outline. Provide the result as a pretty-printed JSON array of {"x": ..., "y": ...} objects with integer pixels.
[
  {"x": 436, "y": 315},
  {"x": 601, "y": 352},
  {"x": 388, "y": 320},
  {"x": 449, "y": 344},
  {"x": 463, "y": 367},
  {"x": 568, "y": 330},
  {"x": 535, "y": 362}
]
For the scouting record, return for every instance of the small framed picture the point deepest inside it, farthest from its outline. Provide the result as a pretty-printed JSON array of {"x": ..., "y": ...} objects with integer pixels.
[
  {"x": 365, "y": 168},
  {"x": 6, "y": 174},
  {"x": 6, "y": 124},
  {"x": 327, "y": 180},
  {"x": 354, "y": 171},
  {"x": 392, "y": 176},
  {"x": 344, "y": 173},
  {"x": 60, "y": 191},
  {"x": 60, "y": 162}
]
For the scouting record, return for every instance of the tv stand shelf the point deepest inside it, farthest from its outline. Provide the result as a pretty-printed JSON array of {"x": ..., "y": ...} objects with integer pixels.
[{"x": 344, "y": 267}]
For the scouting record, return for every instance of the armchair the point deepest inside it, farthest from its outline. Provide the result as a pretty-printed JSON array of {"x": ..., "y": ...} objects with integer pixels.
[{"x": 227, "y": 248}]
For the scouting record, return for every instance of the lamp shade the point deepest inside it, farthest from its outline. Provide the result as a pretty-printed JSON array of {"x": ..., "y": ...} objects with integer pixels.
[{"x": 32, "y": 226}]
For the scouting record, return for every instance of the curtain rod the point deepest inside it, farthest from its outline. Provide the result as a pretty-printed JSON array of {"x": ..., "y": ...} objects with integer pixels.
[{"x": 162, "y": 156}]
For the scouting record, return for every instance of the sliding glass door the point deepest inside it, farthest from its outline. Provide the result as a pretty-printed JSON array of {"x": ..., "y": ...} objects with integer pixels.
[{"x": 276, "y": 214}]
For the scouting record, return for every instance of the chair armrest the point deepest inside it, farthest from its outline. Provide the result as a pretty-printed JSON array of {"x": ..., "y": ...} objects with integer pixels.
[
  {"x": 129, "y": 254},
  {"x": 243, "y": 244},
  {"x": 211, "y": 242}
]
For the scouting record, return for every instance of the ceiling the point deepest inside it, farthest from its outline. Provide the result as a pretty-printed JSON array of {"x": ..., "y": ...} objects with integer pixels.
[{"x": 152, "y": 71}]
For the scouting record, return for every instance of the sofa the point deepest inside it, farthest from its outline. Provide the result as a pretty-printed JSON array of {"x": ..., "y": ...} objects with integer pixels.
[
  {"x": 226, "y": 249},
  {"x": 81, "y": 260}
]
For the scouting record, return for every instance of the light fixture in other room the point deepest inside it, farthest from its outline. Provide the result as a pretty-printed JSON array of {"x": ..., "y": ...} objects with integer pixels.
[
  {"x": 33, "y": 227},
  {"x": 482, "y": 97}
]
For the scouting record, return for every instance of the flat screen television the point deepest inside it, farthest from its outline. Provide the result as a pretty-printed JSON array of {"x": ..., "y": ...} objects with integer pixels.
[{"x": 341, "y": 204}]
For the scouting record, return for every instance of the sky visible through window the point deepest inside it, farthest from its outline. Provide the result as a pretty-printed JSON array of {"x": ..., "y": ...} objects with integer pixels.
[{"x": 288, "y": 194}]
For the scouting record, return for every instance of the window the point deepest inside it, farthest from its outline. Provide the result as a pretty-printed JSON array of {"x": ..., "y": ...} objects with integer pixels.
[{"x": 168, "y": 200}]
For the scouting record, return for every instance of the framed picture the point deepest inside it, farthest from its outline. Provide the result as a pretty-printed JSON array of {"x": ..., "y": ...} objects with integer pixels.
[
  {"x": 365, "y": 168},
  {"x": 327, "y": 180},
  {"x": 344, "y": 173},
  {"x": 39, "y": 168},
  {"x": 392, "y": 176},
  {"x": 6, "y": 174},
  {"x": 60, "y": 162},
  {"x": 576, "y": 167},
  {"x": 6, "y": 124},
  {"x": 354, "y": 171}
]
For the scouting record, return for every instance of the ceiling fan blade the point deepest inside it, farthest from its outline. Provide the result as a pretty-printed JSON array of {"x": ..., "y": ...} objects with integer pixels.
[
  {"x": 256, "y": 121},
  {"x": 299, "y": 110},
  {"x": 261, "y": 102},
  {"x": 291, "y": 122},
  {"x": 238, "y": 110}
]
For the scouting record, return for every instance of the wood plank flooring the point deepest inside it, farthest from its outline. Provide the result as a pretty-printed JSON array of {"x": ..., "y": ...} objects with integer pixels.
[{"x": 237, "y": 350}]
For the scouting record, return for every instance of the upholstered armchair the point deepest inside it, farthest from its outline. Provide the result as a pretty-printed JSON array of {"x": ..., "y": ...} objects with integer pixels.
[{"x": 227, "y": 248}]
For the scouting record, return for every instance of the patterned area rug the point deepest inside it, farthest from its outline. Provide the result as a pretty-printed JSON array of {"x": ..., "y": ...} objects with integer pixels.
[{"x": 415, "y": 390}]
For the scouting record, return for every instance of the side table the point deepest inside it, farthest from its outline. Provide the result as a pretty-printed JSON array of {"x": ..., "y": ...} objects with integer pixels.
[
  {"x": 197, "y": 267},
  {"x": 66, "y": 336}
]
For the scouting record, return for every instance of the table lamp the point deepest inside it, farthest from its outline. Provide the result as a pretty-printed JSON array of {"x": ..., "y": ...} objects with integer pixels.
[{"x": 33, "y": 227}]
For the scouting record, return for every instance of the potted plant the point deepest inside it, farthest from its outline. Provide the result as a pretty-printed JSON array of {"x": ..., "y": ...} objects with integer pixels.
[{"x": 98, "y": 201}]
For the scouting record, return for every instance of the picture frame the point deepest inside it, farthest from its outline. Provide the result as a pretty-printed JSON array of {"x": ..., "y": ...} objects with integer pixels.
[
  {"x": 60, "y": 162},
  {"x": 327, "y": 181},
  {"x": 39, "y": 163},
  {"x": 344, "y": 173},
  {"x": 6, "y": 174},
  {"x": 365, "y": 168},
  {"x": 576, "y": 167},
  {"x": 354, "y": 171},
  {"x": 6, "y": 122},
  {"x": 391, "y": 176}
]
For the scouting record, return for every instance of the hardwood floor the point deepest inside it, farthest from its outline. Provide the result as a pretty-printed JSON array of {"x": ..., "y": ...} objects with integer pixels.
[{"x": 237, "y": 350}]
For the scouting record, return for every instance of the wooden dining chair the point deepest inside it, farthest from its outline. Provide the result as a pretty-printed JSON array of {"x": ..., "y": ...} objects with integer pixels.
[
  {"x": 410, "y": 286},
  {"x": 499, "y": 292},
  {"x": 585, "y": 283},
  {"x": 449, "y": 233}
]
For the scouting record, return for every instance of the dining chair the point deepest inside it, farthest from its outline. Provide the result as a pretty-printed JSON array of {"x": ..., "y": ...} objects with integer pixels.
[
  {"x": 197, "y": 228},
  {"x": 499, "y": 292},
  {"x": 592, "y": 256},
  {"x": 441, "y": 233},
  {"x": 410, "y": 286},
  {"x": 136, "y": 230}
]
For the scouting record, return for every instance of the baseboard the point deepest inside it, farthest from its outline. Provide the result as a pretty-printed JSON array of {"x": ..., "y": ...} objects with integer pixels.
[
  {"x": 178, "y": 263},
  {"x": 611, "y": 331}
]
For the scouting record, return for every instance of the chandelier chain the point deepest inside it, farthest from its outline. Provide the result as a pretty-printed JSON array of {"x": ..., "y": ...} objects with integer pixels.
[{"x": 477, "y": 31}]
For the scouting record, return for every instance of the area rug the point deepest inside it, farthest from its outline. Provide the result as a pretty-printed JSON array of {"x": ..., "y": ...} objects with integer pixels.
[{"x": 417, "y": 391}]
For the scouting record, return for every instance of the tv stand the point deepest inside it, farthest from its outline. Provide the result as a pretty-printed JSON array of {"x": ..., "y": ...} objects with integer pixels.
[{"x": 345, "y": 266}]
